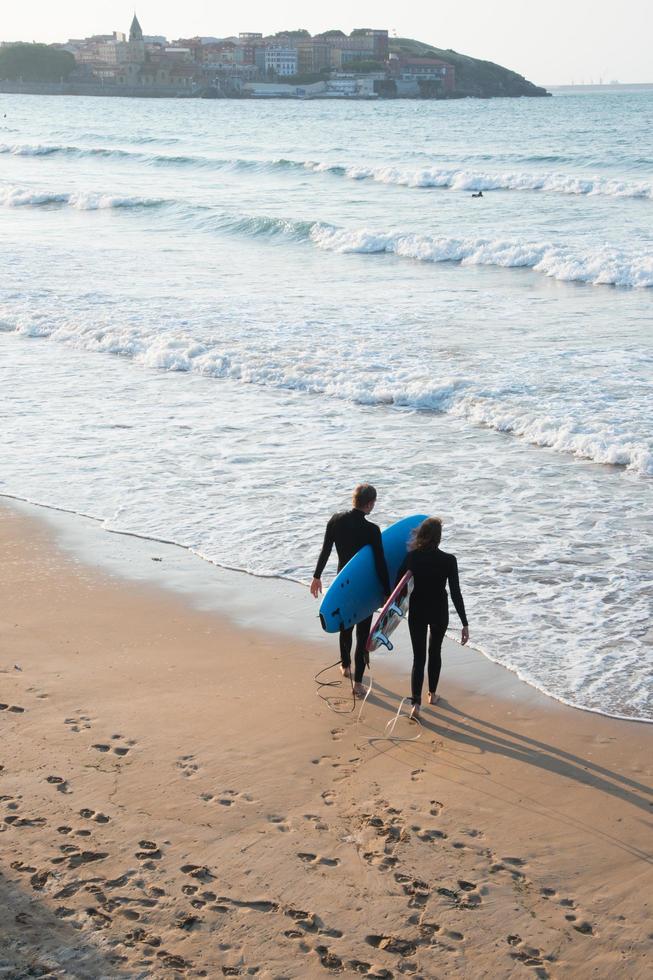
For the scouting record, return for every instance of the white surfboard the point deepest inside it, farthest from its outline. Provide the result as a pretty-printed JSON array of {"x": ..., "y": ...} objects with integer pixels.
[{"x": 394, "y": 611}]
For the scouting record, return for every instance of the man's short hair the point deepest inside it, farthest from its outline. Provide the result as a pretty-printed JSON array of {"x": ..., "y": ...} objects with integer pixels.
[{"x": 363, "y": 495}]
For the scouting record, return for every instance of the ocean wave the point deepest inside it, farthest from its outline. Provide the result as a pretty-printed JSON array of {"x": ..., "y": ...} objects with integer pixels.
[
  {"x": 564, "y": 435},
  {"x": 450, "y": 178},
  {"x": 154, "y": 159},
  {"x": 16, "y": 197},
  {"x": 603, "y": 265},
  {"x": 263, "y": 226},
  {"x": 471, "y": 180},
  {"x": 506, "y": 408}
]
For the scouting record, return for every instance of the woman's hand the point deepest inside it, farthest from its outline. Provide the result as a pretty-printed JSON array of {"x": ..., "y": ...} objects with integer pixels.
[
  {"x": 464, "y": 636},
  {"x": 316, "y": 587}
]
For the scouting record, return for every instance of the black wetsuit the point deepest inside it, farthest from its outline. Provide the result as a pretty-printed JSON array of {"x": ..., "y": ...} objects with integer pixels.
[
  {"x": 429, "y": 607},
  {"x": 350, "y": 532}
]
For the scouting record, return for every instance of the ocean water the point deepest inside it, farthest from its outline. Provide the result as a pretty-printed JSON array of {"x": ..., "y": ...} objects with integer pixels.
[{"x": 217, "y": 317}]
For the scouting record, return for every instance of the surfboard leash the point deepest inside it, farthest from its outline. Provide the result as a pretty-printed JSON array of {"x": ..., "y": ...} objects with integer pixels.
[
  {"x": 393, "y": 721},
  {"x": 390, "y": 725},
  {"x": 327, "y": 698}
]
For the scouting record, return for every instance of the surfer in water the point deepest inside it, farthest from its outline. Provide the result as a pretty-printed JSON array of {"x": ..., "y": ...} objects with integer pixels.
[
  {"x": 429, "y": 606},
  {"x": 350, "y": 532}
]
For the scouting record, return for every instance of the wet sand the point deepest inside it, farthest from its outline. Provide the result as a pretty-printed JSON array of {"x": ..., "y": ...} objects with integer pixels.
[{"x": 176, "y": 801}]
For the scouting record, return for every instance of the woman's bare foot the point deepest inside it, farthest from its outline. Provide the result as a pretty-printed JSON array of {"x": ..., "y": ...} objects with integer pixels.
[
  {"x": 433, "y": 697},
  {"x": 359, "y": 690},
  {"x": 345, "y": 671},
  {"x": 414, "y": 712}
]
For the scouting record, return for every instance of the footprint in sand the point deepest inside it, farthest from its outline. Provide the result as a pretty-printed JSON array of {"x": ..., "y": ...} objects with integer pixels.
[
  {"x": 149, "y": 851},
  {"x": 188, "y": 766},
  {"x": 17, "y": 821},
  {"x": 41, "y": 695},
  {"x": 329, "y": 797},
  {"x": 227, "y": 797},
  {"x": 328, "y": 959},
  {"x": 94, "y": 815},
  {"x": 60, "y": 783},
  {"x": 78, "y": 722},
  {"x": 359, "y": 966},
  {"x": 119, "y": 750},
  {"x": 337, "y": 733},
  {"x": 198, "y": 871},
  {"x": 585, "y": 928},
  {"x": 472, "y": 897},
  {"x": 380, "y": 861},
  {"x": 317, "y": 859},
  {"x": 509, "y": 865},
  {"x": 255, "y": 905},
  {"x": 529, "y": 956},
  {"x": 471, "y": 832},
  {"x": 12, "y": 707},
  {"x": 316, "y": 821},
  {"x": 307, "y": 921},
  {"x": 428, "y": 834},
  {"x": 280, "y": 823},
  {"x": 392, "y": 944},
  {"x": 418, "y": 891},
  {"x": 86, "y": 857}
]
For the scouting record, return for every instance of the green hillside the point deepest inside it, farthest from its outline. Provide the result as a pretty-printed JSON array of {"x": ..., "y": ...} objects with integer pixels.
[{"x": 482, "y": 79}]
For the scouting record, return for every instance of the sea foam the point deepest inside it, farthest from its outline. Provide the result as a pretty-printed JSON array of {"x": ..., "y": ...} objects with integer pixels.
[
  {"x": 602, "y": 265},
  {"x": 471, "y": 180},
  {"x": 573, "y": 429}
]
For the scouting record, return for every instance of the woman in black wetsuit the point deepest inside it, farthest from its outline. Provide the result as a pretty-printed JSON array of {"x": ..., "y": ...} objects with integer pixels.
[{"x": 429, "y": 606}]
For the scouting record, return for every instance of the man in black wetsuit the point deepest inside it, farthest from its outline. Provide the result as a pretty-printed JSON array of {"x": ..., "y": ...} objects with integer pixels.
[{"x": 350, "y": 532}]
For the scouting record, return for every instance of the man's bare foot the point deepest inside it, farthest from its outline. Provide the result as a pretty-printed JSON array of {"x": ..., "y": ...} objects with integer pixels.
[
  {"x": 345, "y": 671},
  {"x": 433, "y": 697},
  {"x": 414, "y": 712},
  {"x": 360, "y": 690}
]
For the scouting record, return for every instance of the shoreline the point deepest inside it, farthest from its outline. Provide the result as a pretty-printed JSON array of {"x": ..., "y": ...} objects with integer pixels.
[
  {"x": 278, "y": 607},
  {"x": 104, "y": 92},
  {"x": 178, "y": 803}
]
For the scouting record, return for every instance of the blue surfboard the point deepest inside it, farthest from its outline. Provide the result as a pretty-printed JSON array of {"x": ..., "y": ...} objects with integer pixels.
[{"x": 356, "y": 591}]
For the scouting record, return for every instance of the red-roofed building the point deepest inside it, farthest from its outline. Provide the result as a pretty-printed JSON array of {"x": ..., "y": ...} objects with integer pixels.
[{"x": 432, "y": 70}]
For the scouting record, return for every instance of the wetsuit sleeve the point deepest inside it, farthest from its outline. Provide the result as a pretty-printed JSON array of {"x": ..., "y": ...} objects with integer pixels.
[
  {"x": 327, "y": 547},
  {"x": 454, "y": 588},
  {"x": 379, "y": 561}
]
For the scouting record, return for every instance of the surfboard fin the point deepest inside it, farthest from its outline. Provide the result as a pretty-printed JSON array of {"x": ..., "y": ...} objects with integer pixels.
[
  {"x": 397, "y": 610},
  {"x": 382, "y": 638}
]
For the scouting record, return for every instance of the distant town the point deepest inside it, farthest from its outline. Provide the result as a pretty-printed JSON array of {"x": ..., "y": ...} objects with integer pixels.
[
  {"x": 291, "y": 63},
  {"x": 366, "y": 64}
]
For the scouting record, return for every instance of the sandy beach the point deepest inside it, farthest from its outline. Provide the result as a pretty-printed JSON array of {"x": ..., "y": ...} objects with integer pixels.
[{"x": 176, "y": 801}]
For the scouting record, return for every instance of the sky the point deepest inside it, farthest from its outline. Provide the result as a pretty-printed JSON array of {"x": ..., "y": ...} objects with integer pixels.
[{"x": 558, "y": 42}]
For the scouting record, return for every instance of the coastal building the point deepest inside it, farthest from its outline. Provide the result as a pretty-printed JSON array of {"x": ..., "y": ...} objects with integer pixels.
[
  {"x": 413, "y": 74},
  {"x": 313, "y": 56},
  {"x": 281, "y": 60},
  {"x": 362, "y": 45},
  {"x": 352, "y": 87},
  {"x": 284, "y": 90}
]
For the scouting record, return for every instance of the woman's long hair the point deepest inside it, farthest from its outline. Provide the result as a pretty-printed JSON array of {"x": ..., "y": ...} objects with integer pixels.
[{"x": 427, "y": 536}]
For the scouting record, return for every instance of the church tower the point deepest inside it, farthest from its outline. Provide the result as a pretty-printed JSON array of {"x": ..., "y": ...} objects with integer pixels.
[{"x": 135, "y": 31}]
